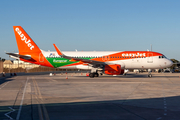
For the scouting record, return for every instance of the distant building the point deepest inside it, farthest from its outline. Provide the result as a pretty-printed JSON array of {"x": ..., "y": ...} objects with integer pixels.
[
  {"x": 178, "y": 65},
  {"x": 18, "y": 64}
]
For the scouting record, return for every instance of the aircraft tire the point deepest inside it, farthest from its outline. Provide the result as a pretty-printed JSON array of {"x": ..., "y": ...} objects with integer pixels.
[
  {"x": 91, "y": 75},
  {"x": 96, "y": 75}
]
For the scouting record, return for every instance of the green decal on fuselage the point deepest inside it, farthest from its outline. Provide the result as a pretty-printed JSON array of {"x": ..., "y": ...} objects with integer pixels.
[{"x": 59, "y": 62}]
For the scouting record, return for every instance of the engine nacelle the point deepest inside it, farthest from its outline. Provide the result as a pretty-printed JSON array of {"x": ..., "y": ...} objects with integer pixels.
[
  {"x": 114, "y": 69},
  {"x": 122, "y": 71}
]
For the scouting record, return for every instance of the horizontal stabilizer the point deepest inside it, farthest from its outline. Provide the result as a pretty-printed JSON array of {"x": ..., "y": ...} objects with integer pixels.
[{"x": 26, "y": 57}]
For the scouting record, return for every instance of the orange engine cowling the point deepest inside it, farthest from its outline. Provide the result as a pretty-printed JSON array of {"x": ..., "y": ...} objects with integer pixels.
[{"x": 114, "y": 69}]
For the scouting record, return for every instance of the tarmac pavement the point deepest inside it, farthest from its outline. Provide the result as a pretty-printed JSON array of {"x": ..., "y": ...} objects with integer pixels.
[{"x": 77, "y": 97}]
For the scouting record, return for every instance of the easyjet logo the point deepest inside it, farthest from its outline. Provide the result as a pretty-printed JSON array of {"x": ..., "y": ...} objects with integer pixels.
[
  {"x": 23, "y": 38},
  {"x": 134, "y": 54}
]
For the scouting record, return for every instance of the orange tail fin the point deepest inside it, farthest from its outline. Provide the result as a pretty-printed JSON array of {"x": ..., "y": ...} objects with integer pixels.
[
  {"x": 25, "y": 43},
  {"x": 28, "y": 47}
]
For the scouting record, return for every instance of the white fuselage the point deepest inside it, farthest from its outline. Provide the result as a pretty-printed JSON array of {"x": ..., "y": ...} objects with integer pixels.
[{"x": 153, "y": 62}]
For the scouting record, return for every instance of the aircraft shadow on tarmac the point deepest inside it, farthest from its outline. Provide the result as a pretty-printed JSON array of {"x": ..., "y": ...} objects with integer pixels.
[{"x": 133, "y": 109}]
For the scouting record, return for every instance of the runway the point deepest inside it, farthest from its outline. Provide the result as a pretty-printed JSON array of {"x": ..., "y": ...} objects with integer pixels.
[{"x": 78, "y": 97}]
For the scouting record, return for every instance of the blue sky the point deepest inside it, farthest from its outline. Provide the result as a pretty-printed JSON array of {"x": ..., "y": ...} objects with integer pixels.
[{"x": 88, "y": 25}]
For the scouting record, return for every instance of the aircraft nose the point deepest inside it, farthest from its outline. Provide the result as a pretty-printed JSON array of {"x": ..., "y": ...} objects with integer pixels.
[{"x": 169, "y": 63}]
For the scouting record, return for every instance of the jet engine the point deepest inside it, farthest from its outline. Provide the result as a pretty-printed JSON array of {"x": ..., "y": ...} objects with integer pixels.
[{"x": 113, "y": 69}]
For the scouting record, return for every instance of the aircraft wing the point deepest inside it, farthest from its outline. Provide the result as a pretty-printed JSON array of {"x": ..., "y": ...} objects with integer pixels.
[
  {"x": 76, "y": 59},
  {"x": 26, "y": 57}
]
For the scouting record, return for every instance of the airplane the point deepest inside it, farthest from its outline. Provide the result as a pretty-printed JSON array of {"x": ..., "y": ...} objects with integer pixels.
[{"x": 102, "y": 62}]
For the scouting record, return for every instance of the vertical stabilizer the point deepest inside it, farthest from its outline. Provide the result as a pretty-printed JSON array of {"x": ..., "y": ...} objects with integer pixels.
[
  {"x": 28, "y": 48},
  {"x": 24, "y": 42}
]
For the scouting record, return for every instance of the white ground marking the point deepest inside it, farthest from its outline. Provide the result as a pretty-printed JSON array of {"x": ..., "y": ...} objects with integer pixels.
[
  {"x": 19, "y": 112},
  {"x": 165, "y": 105},
  {"x": 164, "y": 98},
  {"x": 4, "y": 85},
  {"x": 9, "y": 113}
]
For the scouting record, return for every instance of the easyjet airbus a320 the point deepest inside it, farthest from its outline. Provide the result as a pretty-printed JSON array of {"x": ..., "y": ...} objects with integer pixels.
[{"x": 110, "y": 62}]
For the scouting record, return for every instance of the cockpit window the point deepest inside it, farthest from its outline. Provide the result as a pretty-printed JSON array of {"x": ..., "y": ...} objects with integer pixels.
[{"x": 162, "y": 56}]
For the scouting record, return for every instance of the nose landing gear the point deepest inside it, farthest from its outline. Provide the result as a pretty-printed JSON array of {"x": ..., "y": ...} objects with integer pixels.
[{"x": 149, "y": 75}]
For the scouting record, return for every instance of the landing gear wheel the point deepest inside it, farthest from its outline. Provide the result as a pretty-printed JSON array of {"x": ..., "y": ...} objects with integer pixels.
[
  {"x": 91, "y": 75},
  {"x": 96, "y": 75},
  {"x": 149, "y": 75}
]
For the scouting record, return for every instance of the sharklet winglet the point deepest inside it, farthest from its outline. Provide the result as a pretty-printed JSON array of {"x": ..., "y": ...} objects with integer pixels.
[{"x": 57, "y": 49}]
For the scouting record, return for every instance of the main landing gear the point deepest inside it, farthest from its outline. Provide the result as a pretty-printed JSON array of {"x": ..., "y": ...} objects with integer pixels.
[{"x": 91, "y": 75}]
